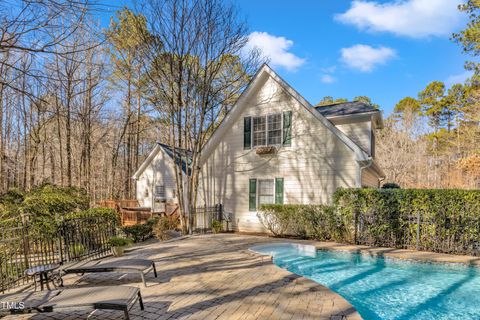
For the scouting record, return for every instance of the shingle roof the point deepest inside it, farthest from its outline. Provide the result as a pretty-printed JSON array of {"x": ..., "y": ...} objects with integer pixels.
[
  {"x": 345, "y": 108},
  {"x": 183, "y": 156}
]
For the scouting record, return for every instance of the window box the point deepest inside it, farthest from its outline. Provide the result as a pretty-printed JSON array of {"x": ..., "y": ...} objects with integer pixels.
[{"x": 266, "y": 150}]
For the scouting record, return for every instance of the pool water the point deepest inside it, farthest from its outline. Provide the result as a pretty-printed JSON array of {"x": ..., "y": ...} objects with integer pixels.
[{"x": 386, "y": 288}]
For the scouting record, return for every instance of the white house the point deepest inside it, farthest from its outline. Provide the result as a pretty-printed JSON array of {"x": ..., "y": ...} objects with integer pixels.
[
  {"x": 155, "y": 178},
  {"x": 274, "y": 147}
]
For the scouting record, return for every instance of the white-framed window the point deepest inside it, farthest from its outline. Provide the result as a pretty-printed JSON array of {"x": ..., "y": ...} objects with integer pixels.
[
  {"x": 266, "y": 191},
  {"x": 267, "y": 130},
  {"x": 259, "y": 131},
  {"x": 270, "y": 130},
  {"x": 160, "y": 192},
  {"x": 274, "y": 125}
]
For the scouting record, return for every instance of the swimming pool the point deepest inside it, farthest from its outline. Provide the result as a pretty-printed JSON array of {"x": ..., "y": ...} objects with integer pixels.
[{"x": 386, "y": 288}]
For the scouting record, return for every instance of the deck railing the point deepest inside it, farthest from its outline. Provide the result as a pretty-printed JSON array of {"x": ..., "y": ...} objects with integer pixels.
[{"x": 23, "y": 244}]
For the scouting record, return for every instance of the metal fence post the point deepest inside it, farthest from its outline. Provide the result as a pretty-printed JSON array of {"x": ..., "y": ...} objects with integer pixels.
[
  {"x": 355, "y": 217},
  {"x": 26, "y": 246},
  {"x": 418, "y": 231}
]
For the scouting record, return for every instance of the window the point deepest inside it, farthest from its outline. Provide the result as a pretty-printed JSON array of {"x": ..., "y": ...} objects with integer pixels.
[
  {"x": 266, "y": 191},
  {"x": 274, "y": 129},
  {"x": 160, "y": 192},
  {"x": 259, "y": 130}
]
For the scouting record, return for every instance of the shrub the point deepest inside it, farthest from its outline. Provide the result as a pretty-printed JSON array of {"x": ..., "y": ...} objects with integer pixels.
[
  {"x": 163, "y": 225},
  {"x": 217, "y": 226},
  {"x": 141, "y": 232},
  {"x": 107, "y": 214},
  {"x": 321, "y": 223},
  {"x": 450, "y": 220},
  {"x": 52, "y": 201},
  {"x": 390, "y": 185},
  {"x": 12, "y": 197},
  {"x": 76, "y": 250},
  {"x": 303, "y": 221},
  {"x": 119, "y": 241}
]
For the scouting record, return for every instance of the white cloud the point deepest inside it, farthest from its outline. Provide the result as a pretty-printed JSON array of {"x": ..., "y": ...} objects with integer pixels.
[
  {"x": 410, "y": 18},
  {"x": 330, "y": 69},
  {"x": 365, "y": 58},
  {"x": 276, "y": 49},
  {"x": 458, "y": 78},
  {"x": 327, "y": 78}
]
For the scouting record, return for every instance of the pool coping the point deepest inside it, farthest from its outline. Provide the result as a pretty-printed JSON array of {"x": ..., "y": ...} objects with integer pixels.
[
  {"x": 404, "y": 254},
  {"x": 351, "y": 314},
  {"x": 394, "y": 253}
]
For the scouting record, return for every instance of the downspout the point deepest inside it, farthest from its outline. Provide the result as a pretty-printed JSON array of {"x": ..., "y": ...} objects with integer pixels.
[{"x": 360, "y": 170}]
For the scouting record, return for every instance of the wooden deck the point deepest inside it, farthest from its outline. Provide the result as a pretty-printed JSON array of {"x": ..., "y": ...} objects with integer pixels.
[{"x": 131, "y": 213}]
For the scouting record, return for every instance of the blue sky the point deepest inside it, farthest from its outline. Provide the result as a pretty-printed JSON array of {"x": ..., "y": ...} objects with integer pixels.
[{"x": 382, "y": 49}]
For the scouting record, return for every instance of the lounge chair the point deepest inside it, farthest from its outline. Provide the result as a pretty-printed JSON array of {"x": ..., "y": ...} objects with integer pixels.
[
  {"x": 88, "y": 298},
  {"x": 138, "y": 266}
]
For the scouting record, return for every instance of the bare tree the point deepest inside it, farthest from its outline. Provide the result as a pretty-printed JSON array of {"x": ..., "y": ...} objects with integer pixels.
[{"x": 196, "y": 64}]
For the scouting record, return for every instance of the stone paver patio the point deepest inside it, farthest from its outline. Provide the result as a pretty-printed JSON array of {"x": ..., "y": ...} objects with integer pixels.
[{"x": 215, "y": 277}]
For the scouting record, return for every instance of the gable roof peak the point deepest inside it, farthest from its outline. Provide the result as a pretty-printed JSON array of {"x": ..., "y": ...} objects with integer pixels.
[{"x": 235, "y": 111}]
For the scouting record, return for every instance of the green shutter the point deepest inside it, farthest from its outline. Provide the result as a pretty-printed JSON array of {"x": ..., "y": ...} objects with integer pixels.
[
  {"x": 287, "y": 128},
  {"x": 252, "y": 195},
  {"x": 279, "y": 190},
  {"x": 247, "y": 133}
]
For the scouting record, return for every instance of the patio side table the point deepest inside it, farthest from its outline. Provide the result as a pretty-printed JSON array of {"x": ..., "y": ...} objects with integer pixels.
[{"x": 46, "y": 274}]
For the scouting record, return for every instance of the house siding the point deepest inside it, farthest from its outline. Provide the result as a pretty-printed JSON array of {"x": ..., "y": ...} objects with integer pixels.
[
  {"x": 159, "y": 172},
  {"x": 313, "y": 167},
  {"x": 369, "y": 178},
  {"x": 359, "y": 132}
]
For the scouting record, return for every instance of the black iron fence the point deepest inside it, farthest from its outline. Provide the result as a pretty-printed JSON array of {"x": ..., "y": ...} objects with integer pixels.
[
  {"x": 446, "y": 234},
  {"x": 204, "y": 216},
  {"x": 24, "y": 244}
]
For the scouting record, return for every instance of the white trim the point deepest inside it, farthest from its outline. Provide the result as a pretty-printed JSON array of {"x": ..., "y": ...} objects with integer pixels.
[
  {"x": 147, "y": 161},
  {"x": 230, "y": 117},
  {"x": 353, "y": 115},
  {"x": 267, "y": 130},
  {"x": 361, "y": 155},
  {"x": 258, "y": 190},
  {"x": 234, "y": 113}
]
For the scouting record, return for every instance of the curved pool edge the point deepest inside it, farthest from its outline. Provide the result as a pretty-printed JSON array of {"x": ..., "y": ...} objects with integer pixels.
[
  {"x": 400, "y": 254},
  {"x": 340, "y": 308},
  {"x": 305, "y": 249}
]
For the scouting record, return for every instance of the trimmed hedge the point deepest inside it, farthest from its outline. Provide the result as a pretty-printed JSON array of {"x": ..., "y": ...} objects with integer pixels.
[
  {"x": 304, "y": 221},
  {"x": 449, "y": 219}
]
